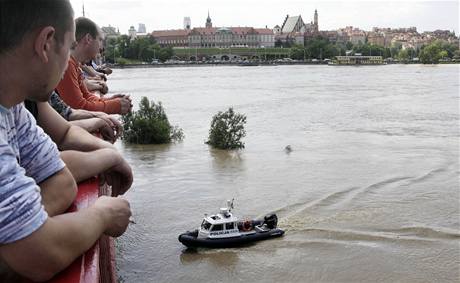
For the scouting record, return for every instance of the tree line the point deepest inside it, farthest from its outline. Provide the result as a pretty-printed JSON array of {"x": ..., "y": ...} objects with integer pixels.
[
  {"x": 321, "y": 48},
  {"x": 123, "y": 50},
  {"x": 142, "y": 49}
]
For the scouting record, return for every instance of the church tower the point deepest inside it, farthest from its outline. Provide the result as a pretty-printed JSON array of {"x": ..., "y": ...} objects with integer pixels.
[
  {"x": 208, "y": 22},
  {"x": 315, "y": 21}
]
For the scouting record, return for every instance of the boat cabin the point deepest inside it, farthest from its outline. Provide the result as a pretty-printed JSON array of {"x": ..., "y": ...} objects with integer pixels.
[{"x": 220, "y": 225}]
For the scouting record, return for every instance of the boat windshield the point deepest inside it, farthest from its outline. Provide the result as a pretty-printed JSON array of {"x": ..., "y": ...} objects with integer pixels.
[{"x": 205, "y": 225}]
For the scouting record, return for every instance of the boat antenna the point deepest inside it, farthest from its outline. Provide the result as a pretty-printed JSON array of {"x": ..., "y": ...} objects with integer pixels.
[{"x": 230, "y": 204}]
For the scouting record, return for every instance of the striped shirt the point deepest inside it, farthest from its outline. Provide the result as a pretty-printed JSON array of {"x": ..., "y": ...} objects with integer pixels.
[{"x": 27, "y": 157}]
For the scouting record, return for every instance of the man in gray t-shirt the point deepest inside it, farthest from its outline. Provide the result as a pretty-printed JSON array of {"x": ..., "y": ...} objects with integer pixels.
[
  {"x": 37, "y": 239},
  {"x": 28, "y": 157}
]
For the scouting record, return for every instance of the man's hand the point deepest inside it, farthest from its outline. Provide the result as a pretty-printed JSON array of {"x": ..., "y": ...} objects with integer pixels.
[
  {"x": 103, "y": 77},
  {"x": 126, "y": 105},
  {"x": 117, "y": 126},
  {"x": 104, "y": 88},
  {"x": 113, "y": 128},
  {"x": 116, "y": 213},
  {"x": 108, "y": 132},
  {"x": 119, "y": 176}
]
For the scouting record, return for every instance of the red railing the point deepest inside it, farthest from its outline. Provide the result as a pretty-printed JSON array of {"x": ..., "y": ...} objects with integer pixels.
[{"x": 97, "y": 265}]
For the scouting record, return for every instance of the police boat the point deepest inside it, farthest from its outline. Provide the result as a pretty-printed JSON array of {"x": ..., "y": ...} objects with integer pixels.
[{"x": 224, "y": 230}]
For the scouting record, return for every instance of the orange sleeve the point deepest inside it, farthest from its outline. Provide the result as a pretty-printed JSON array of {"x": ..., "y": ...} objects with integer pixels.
[{"x": 75, "y": 94}]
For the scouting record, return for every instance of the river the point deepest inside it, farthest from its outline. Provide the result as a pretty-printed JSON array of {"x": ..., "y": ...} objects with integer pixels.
[{"x": 369, "y": 193}]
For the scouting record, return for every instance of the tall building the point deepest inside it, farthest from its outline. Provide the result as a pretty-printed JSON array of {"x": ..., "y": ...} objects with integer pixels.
[
  {"x": 208, "y": 22},
  {"x": 132, "y": 33},
  {"x": 315, "y": 21},
  {"x": 141, "y": 28},
  {"x": 187, "y": 23}
]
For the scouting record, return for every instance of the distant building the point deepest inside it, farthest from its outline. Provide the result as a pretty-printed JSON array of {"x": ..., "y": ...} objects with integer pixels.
[
  {"x": 208, "y": 22},
  {"x": 441, "y": 34},
  {"x": 266, "y": 37},
  {"x": 225, "y": 37},
  {"x": 294, "y": 30},
  {"x": 187, "y": 23},
  {"x": 315, "y": 21},
  {"x": 335, "y": 37},
  {"x": 376, "y": 38},
  {"x": 141, "y": 28},
  {"x": 292, "y": 25},
  {"x": 355, "y": 35},
  {"x": 358, "y": 37},
  {"x": 110, "y": 32},
  {"x": 132, "y": 33},
  {"x": 219, "y": 37},
  {"x": 173, "y": 38}
]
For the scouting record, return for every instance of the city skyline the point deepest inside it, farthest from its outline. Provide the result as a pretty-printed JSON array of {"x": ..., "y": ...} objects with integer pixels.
[{"x": 424, "y": 15}]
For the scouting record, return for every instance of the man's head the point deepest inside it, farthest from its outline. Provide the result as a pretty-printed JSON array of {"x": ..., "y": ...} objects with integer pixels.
[
  {"x": 41, "y": 33},
  {"x": 89, "y": 38}
]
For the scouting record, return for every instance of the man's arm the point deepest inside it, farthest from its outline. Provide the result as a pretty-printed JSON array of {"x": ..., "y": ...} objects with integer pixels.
[
  {"x": 92, "y": 72},
  {"x": 95, "y": 85},
  {"x": 78, "y": 96},
  {"x": 35, "y": 245},
  {"x": 109, "y": 127},
  {"x": 61, "y": 239},
  {"x": 110, "y": 130},
  {"x": 58, "y": 192},
  {"x": 78, "y": 114},
  {"x": 119, "y": 174},
  {"x": 66, "y": 136},
  {"x": 94, "y": 125},
  {"x": 84, "y": 165}
]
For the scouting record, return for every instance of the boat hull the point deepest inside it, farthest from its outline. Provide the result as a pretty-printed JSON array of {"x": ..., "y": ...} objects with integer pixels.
[{"x": 190, "y": 239}]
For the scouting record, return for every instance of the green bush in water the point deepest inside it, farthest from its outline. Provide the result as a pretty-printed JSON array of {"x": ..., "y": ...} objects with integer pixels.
[
  {"x": 227, "y": 130},
  {"x": 149, "y": 125}
]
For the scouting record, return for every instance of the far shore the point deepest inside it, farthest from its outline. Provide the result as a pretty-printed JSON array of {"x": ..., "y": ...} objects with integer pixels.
[{"x": 204, "y": 64}]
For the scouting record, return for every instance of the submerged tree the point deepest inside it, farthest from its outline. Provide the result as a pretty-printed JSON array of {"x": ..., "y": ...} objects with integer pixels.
[
  {"x": 149, "y": 125},
  {"x": 227, "y": 130}
]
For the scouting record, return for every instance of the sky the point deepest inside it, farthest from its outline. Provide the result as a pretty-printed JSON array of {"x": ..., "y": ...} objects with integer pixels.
[{"x": 169, "y": 14}]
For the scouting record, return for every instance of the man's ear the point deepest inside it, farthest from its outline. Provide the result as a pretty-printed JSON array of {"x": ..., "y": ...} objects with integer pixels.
[
  {"x": 88, "y": 39},
  {"x": 44, "y": 42}
]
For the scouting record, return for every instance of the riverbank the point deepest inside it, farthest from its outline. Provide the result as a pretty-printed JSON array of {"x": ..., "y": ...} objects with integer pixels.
[{"x": 207, "y": 64}]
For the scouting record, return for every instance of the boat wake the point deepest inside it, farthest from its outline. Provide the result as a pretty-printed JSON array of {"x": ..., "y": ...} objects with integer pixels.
[
  {"x": 342, "y": 199},
  {"x": 404, "y": 234}
]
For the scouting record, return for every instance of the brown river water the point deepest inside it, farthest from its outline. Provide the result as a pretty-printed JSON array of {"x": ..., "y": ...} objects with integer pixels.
[{"x": 369, "y": 193}]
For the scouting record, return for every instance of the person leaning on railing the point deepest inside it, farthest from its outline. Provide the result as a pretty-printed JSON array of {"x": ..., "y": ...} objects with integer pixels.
[
  {"x": 37, "y": 239},
  {"x": 83, "y": 159},
  {"x": 95, "y": 81},
  {"x": 72, "y": 87},
  {"x": 108, "y": 126},
  {"x": 84, "y": 156}
]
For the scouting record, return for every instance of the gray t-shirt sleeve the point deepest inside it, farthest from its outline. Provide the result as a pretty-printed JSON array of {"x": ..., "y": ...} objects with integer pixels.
[
  {"x": 27, "y": 157},
  {"x": 39, "y": 154},
  {"x": 21, "y": 210}
]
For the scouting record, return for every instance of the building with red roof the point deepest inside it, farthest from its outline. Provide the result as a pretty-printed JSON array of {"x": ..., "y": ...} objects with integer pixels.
[{"x": 218, "y": 37}]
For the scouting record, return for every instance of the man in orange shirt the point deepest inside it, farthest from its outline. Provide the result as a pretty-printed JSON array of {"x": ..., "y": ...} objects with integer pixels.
[{"x": 72, "y": 88}]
